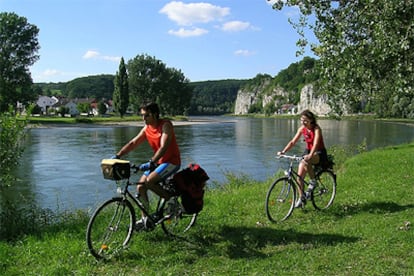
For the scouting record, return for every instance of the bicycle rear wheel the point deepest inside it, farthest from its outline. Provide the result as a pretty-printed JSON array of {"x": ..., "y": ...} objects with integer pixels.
[
  {"x": 110, "y": 228},
  {"x": 280, "y": 200},
  {"x": 324, "y": 193},
  {"x": 177, "y": 221}
]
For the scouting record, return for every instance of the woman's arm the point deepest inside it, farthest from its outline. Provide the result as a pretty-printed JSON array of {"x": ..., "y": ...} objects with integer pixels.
[{"x": 292, "y": 142}]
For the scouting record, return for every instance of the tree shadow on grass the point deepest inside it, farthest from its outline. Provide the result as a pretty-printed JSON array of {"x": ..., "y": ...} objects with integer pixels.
[
  {"x": 248, "y": 242},
  {"x": 370, "y": 207},
  {"x": 244, "y": 242}
]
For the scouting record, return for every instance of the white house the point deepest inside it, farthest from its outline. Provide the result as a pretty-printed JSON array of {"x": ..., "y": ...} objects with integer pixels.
[
  {"x": 73, "y": 108},
  {"x": 44, "y": 102}
]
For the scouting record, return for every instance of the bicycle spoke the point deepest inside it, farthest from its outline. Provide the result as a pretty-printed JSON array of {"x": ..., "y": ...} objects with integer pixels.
[
  {"x": 176, "y": 222},
  {"x": 280, "y": 200},
  {"x": 110, "y": 228},
  {"x": 324, "y": 193}
]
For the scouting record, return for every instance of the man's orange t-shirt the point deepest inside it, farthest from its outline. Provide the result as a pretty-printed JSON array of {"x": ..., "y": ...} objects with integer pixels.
[{"x": 172, "y": 155}]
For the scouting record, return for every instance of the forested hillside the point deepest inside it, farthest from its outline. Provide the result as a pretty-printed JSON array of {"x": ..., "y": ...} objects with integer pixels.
[
  {"x": 208, "y": 97},
  {"x": 214, "y": 97},
  {"x": 99, "y": 87},
  {"x": 211, "y": 97}
]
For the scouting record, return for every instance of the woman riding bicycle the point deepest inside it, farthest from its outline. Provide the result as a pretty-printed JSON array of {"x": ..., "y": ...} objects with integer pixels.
[{"x": 315, "y": 152}]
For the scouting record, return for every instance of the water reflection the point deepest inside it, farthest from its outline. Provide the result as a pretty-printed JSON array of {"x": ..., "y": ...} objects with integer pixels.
[{"x": 60, "y": 168}]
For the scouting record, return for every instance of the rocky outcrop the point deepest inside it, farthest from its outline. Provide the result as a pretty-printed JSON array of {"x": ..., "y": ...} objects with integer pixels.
[
  {"x": 316, "y": 103},
  {"x": 244, "y": 101},
  {"x": 308, "y": 100},
  {"x": 249, "y": 96}
]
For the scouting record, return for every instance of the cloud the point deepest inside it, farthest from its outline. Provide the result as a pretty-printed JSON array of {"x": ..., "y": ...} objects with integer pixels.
[
  {"x": 51, "y": 72},
  {"x": 114, "y": 59},
  {"x": 188, "y": 32},
  {"x": 292, "y": 11},
  {"x": 289, "y": 11},
  {"x": 245, "y": 53},
  {"x": 188, "y": 14},
  {"x": 90, "y": 54},
  {"x": 235, "y": 26},
  {"x": 271, "y": 2},
  {"x": 48, "y": 75}
]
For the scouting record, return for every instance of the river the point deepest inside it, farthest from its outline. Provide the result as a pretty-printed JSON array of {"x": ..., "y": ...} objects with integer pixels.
[{"x": 60, "y": 167}]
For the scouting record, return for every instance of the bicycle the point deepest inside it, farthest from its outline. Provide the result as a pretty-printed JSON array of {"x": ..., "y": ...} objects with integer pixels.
[
  {"x": 113, "y": 223},
  {"x": 282, "y": 194}
]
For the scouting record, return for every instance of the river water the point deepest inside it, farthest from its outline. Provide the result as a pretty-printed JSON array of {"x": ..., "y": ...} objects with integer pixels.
[{"x": 60, "y": 167}]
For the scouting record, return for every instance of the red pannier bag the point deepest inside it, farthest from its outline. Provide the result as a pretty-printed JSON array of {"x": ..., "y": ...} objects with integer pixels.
[{"x": 190, "y": 183}]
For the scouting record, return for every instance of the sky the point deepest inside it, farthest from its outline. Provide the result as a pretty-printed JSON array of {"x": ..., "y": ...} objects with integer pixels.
[{"x": 206, "y": 39}]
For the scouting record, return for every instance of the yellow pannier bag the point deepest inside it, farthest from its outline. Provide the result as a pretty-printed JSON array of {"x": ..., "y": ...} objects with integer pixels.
[{"x": 115, "y": 169}]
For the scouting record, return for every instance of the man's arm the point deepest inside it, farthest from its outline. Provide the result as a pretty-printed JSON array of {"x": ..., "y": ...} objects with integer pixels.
[{"x": 135, "y": 142}]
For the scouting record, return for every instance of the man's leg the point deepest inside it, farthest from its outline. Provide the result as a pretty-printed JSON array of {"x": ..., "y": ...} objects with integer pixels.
[{"x": 153, "y": 183}]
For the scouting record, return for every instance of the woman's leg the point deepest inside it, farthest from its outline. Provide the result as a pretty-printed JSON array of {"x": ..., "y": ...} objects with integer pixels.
[
  {"x": 302, "y": 172},
  {"x": 313, "y": 161},
  {"x": 306, "y": 167}
]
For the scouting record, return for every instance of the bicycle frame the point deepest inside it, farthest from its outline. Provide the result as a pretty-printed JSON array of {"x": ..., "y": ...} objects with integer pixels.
[
  {"x": 113, "y": 223},
  {"x": 282, "y": 193},
  {"x": 292, "y": 174},
  {"x": 127, "y": 195}
]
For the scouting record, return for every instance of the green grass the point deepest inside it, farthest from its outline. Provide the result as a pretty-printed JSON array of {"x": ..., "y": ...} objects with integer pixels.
[{"x": 365, "y": 232}]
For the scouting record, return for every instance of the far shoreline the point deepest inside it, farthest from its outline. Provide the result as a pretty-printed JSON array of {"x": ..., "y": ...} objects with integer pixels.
[
  {"x": 129, "y": 123},
  {"x": 192, "y": 120}
]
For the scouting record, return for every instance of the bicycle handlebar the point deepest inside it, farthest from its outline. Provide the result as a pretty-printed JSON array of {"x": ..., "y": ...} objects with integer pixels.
[
  {"x": 136, "y": 169},
  {"x": 290, "y": 157}
]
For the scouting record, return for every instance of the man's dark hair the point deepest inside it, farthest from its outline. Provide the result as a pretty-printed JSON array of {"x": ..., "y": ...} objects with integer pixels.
[{"x": 153, "y": 108}]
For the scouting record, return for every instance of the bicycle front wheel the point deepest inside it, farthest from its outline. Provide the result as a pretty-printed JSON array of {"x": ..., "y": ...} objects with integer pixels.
[
  {"x": 177, "y": 221},
  {"x": 110, "y": 228},
  {"x": 324, "y": 193},
  {"x": 280, "y": 200}
]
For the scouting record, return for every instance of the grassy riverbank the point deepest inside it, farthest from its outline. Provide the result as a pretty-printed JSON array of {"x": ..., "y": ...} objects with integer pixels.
[{"x": 368, "y": 231}]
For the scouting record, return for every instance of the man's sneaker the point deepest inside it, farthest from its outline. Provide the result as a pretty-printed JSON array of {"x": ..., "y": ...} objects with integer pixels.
[{"x": 300, "y": 203}]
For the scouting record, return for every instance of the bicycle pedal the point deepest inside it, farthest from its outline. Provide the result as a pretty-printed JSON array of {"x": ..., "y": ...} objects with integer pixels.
[
  {"x": 149, "y": 225},
  {"x": 139, "y": 226},
  {"x": 156, "y": 217}
]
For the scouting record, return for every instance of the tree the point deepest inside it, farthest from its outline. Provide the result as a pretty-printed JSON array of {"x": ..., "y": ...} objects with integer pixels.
[
  {"x": 84, "y": 107},
  {"x": 63, "y": 110},
  {"x": 151, "y": 81},
  {"x": 365, "y": 49},
  {"x": 214, "y": 97},
  {"x": 102, "y": 108},
  {"x": 12, "y": 130},
  {"x": 18, "y": 51},
  {"x": 121, "y": 93},
  {"x": 176, "y": 98}
]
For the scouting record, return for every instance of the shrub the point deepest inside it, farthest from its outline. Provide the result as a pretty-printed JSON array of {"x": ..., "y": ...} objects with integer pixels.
[{"x": 11, "y": 136}]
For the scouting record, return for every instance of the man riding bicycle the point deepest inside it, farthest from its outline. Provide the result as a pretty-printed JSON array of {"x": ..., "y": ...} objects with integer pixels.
[{"x": 166, "y": 159}]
